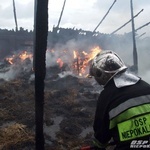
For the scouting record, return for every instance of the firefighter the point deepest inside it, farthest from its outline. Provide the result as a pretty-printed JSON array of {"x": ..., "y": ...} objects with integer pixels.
[{"x": 123, "y": 106}]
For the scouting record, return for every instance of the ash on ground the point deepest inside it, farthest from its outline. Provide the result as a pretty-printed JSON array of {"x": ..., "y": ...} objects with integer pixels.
[{"x": 69, "y": 110}]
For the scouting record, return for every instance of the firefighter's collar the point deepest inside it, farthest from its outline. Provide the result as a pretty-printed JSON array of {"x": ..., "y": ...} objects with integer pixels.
[{"x": 125, "y": 79}]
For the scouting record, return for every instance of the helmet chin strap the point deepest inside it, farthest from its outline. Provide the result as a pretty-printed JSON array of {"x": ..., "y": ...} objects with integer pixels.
[{"x": 125, "y": 79}]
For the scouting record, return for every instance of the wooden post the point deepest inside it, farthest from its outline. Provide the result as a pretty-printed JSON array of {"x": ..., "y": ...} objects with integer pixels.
[
  {"x": 15, "y": 16},
  {"x": 40, "y": 46},
  {"x": 135, "y": 57},
  {"x": 61, "y": 13},
  {"x": 126, "y": 23},
  {"x": 104, "y": 16}
]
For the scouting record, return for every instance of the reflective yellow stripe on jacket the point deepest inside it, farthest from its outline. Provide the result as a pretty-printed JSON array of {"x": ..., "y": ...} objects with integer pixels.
[
  {"x": 134, "y": 128},
  {"x": 129, "y": 109}
]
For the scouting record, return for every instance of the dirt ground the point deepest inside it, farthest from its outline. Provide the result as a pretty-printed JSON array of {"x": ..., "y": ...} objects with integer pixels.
[{"x": 68, "y": 113}]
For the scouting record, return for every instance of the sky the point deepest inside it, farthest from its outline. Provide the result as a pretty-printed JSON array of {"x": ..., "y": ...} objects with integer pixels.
[{"x": 80, "y": 14}]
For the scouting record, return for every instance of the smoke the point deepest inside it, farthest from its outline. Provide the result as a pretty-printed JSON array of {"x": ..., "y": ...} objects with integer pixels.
[
  {"x": 64, "y": 50},
  {"x": 143, "y": 48},
  {"x": 143, "y": 52},
  {"x": 65, "y": 73},
  {"x": 10, "y": 74},
  {"x": 51, "y": 58},
  {"x": 20, "y": 68}
]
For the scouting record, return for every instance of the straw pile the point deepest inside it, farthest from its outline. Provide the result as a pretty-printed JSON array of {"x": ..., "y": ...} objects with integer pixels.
[{"x": 14, "y": 135}]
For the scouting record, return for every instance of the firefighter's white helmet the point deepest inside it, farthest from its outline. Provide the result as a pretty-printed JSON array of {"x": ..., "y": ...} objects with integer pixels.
[{"x": 105, "y": 66}]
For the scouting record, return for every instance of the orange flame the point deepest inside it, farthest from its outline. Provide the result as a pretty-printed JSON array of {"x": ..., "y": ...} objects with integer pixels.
[
  {"x": 25, "y": 55},
  {"x": 94, "y": 52},
  {"x": 10, "y": 60},
  {"x": 20, "y": 57},
  {"x": 75, "y": 54},
  {"x": 60, "y": 62},
  {"x": 82, "y": 61}
]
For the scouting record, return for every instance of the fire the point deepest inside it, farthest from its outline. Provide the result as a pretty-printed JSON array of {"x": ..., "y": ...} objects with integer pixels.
[
  {"x": 25, "y": 55},
  {"x": 60, "y": 62},
  {"x": 10, "y": 60},
  {"x": 75, "y": 54},
  {"x": 94, "y": 52},
  {"x": 19, "y": 57},
  {"x": 78, "y": 62},
  {"x": 81, "y": 60}
]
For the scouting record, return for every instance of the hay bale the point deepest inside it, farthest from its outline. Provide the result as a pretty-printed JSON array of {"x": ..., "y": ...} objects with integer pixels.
[{"x": 14, "y": 135}]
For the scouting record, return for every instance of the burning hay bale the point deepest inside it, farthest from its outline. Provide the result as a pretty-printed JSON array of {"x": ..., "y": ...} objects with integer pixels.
[
  {"x": 14, "y": 135},
  {"x": 20, "y": 65},
  {"x": 68, "y": 109}
]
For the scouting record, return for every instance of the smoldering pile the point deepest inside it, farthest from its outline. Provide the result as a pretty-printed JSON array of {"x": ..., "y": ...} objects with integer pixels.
[{"x": 69, "y": 107}]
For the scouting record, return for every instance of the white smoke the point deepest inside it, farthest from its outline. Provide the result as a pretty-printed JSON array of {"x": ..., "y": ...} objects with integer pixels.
[
  {"x": 10, "y": 74},
  {"x": 65, "y": 73},
  {"x": 125, "y": 51},
  {"x": 18, "y": 69},
  {"x": 65, "y": 53}
]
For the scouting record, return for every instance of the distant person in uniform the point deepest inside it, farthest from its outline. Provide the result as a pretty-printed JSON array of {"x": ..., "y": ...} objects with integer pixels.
[{"x": 123, "y": 106}]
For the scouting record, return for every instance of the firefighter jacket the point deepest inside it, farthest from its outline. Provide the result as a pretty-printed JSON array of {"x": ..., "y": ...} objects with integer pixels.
[{"x": 123, "y": 114}]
